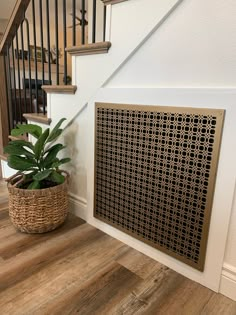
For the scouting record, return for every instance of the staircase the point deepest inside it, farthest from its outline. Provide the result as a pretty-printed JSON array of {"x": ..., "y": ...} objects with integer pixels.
[
  {"x": 27, "y": 80},
  {"x": 93, "y": 65},
  {"x": 34, "y": 53}
]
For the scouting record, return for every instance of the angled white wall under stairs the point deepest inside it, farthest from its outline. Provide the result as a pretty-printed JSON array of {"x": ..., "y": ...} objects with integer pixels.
[
  {"x": 157, "y": 58},
  {"x": 129, "y": 24},
  {"x": 186, "y": 71}
]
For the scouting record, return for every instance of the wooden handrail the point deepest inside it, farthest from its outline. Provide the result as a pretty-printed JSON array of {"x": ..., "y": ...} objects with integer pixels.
[
  {"x": 14, "y": 22},
  {"x": 106, "y": 2}
]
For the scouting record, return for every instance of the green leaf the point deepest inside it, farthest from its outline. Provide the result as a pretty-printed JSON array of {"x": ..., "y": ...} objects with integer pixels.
[
  {"x": 34, "y": 185},
  {"x": 52, "y": 153},
  {"x": 32, "y": 129},
  {"x": 39, "y": 145},
  {"x": 31, "y": 174},
  {"x": 22, "y": 143},
  {"x": 42, "y": 175},
  {"x": 55, "y": 133},
  {"x": 16, "y": 149},
  {"x": 57, "y": 178},
  {"x": 21, "y": 163},
  {"x": 54, "y": 163},
  {"x": 60, "y": 162}
]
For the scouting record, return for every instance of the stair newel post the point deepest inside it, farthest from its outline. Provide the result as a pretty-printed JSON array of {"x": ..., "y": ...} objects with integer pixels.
[{"x": 4, "y": 116}]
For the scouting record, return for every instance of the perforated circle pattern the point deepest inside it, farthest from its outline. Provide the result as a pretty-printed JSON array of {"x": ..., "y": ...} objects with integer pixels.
[{"x": 152, "y": 176}]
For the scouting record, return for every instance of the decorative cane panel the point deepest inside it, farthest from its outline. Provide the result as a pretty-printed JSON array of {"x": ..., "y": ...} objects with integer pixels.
[{"x": 155, "y": 174}]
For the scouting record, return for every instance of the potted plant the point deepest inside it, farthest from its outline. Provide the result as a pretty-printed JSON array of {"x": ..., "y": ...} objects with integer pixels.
[{"x": 38, "y": 198}]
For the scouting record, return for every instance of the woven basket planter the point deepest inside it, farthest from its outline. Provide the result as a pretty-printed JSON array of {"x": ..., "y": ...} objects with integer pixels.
[{"x": 38, "y": 211}]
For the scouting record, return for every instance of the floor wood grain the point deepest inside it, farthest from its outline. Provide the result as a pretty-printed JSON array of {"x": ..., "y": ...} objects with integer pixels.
[{"x": 78, "y": 269}]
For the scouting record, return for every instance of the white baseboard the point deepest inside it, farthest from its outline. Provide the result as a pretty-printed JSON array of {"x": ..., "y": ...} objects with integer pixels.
[
  {"x": 228, "y": 281},
  {"x": 78, "y": 206}
]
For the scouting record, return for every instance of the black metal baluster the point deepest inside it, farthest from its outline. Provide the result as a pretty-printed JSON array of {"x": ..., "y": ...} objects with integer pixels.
[
  {"x": 42, "y": 51},
  {"x": 14, "y": 84},
  {"x": 48, "y": 43},
  {"x": 94, "y": 21},
  {"x": 23, "y": 64},
  {"x": 10, "y": 88},
  {"x": 104, "y": 22},
  {"x": 18, "y": 75},
  {"x": 65, "y": 41},
  {"x": 35, "y": 58},
  {"x": 7, "y": 89},
  {"x": 56, "y": 39},
  {"x": 83, "y": 23},
  {"x": 29, "y": 63},
  {"x": 74, "y": 22}
]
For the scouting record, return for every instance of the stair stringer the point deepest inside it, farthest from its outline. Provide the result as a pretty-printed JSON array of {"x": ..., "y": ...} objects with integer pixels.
[{"x": 127, "y": 32}]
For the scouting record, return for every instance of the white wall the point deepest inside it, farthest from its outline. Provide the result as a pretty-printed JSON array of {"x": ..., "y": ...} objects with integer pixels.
[
  {"x": 196, "y": 47},
  {"x": 183, "y": 97},
  {"x": 190, "y": 50}
]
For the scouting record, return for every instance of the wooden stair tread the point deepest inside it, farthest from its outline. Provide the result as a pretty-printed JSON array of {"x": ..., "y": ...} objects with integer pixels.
[
  {"x": 40, "y": 118},
  {"x": 106, "y": 2},
  {"x": 60, "y": 89},
  {"x": 18, "y": 137},
  {"x": 89, "y": 49}
]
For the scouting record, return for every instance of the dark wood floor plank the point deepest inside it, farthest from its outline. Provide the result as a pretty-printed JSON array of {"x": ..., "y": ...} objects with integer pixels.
[
  {"x": 138, "y": 263},
  {"x": 40, "y": 255},
  {"x": 147, "y": 297},
  {"x": 219, "y": 305},
  {"x": 5, "y": 224},
  {"x": 6, "y": 230},
  {"x": 188, "y": 298},
  {"x": 96, "y": 295},
  {"x": 4, "y": 213},
  {"x": 62, "y": 275},
  {"x": 78, "y": 269},
  {"x": 4, "y": 205},
  {"x": 20, "y": 242}
]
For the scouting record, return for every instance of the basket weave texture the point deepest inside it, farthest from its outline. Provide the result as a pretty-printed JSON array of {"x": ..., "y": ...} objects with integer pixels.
[{"x": 38, "y": 211}]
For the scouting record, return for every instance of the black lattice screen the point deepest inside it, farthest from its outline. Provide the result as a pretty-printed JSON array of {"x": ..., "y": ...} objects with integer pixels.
[{"x": 155, "y": 173}]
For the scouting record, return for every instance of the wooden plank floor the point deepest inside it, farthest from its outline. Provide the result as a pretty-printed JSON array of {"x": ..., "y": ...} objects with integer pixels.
[{"x": 78, "y": 269}]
